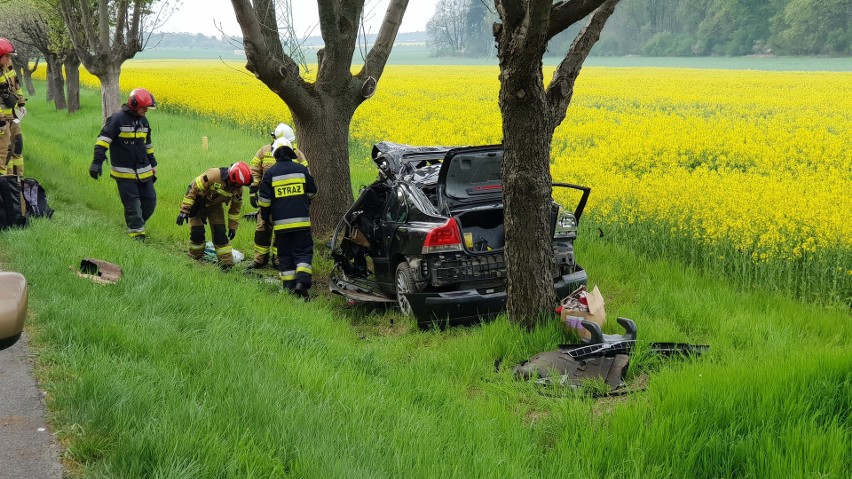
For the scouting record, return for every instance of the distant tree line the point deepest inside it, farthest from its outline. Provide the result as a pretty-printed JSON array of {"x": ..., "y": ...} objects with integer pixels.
[
  {"x": 670, "y": 28},
  {"x": 192, "y": 40}
]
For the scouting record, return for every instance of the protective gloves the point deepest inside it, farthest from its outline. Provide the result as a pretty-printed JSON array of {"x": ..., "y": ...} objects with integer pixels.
[
  {"x": 253, "y": 201},
  {"x": 231, "y": 234},
  {"x": 181, "y": 219},
  {"x": 95, "y": 170}
]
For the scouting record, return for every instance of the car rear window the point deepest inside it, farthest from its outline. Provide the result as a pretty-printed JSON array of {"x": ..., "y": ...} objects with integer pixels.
[{"x": 474, "y": 174}]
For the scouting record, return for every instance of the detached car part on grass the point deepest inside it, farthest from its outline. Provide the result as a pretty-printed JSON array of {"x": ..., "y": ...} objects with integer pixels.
[
  {"x": 428, "y": 235},
  {"x": 13, "y": 307},
  {"x": 603, "y": 357}
]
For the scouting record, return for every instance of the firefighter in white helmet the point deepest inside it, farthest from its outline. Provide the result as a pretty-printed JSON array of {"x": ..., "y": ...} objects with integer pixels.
[
  {"x": 261, "y": 162},
  {"x": 284, "y": 198}
]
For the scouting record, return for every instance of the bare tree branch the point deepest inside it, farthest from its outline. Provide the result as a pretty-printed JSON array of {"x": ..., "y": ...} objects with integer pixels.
[
  {"x": 561, "y": 88},
  {"x": 266, "y": 58},
  {"x": 121, "y": 21},
  {"x": 339, "y": 21},
  {"x": 378, "y": 56},
  {"x": 564, "y": 14}
]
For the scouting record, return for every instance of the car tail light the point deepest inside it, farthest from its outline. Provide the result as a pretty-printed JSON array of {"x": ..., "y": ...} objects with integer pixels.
[
  {"x": 443, "y": 238},
  {"x": 566, "y": 225}
]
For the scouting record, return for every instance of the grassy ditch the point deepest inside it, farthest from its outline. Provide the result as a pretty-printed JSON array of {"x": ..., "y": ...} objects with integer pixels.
[{"x": 181, "y": 371}]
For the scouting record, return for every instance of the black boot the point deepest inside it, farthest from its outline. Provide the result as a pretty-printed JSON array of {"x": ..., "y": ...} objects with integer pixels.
[
  {"x": 301, "y": 290},
  {"x": 255, "y": 266}
]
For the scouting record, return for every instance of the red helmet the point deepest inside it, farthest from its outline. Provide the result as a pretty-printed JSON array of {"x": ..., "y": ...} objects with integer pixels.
[
  {"x": 141, "y": 97},
  {"x": 6, "y": 47},
  {"x": 240, "y": 174}
]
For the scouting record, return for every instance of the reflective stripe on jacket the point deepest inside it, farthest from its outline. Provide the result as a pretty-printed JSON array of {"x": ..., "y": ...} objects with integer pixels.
[
  {"x": 262, "y": 161},
  {"x": 213, "y": 188},
  {"x": 8, "y": 78},
  {"x": 127, "y": 136},
  {"x": 285, "y": 194}
]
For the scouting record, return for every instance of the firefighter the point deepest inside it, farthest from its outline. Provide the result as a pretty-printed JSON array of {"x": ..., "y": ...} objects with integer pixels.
[
  {"x": 284, "y": 198},
  {"x": 127, "y": 135},
  {"x": 261, "y": 162},
  {"x": 205, "y": 200},
  {"x": 12, "y": 110}
]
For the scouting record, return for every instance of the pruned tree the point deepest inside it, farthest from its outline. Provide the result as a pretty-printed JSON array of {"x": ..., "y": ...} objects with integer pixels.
[
  {"x": 322, "y": 110},
  {"x": 36, "y": 28},
  {"x": 106, "y": 33},
  {"x": 531, "y": 112}
]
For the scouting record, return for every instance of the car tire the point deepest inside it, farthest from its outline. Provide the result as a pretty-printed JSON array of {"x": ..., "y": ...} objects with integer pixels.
[{"x": 404, "y": 283}]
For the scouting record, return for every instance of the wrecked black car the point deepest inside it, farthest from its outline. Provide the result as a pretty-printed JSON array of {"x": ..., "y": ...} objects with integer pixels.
[{"x": 428, "y": 235}]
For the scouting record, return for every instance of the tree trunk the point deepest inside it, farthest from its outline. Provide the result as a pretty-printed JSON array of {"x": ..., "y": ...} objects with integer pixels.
[
  {"x": 110, "y": 91},
  {"x": 527, "y": 193},
  {"x": 325, "y": 141},
  {"x": 72, "y": 82},
  {"x": 56, "y": 82},
  {"x": 49, "y": 73},
  {"x": 527, "y": 185},
  {"x": 24, "y": 73}
]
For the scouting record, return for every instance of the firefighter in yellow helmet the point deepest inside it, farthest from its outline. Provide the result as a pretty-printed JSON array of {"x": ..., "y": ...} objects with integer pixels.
[
  {"x": 261, "y": 162},
  {"x": 205, "y": 200},
  {"x": 12, "y": 110}
]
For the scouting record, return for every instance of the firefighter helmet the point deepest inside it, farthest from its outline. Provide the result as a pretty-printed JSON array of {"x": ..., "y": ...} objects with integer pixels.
[
  {"x": 6, "y": 47},
  {"x": 240, "y": 174},
  {"x": 283, "y": 130},
  {"x": 282, "y": 148},
  {"x": 140, "y": 98}
]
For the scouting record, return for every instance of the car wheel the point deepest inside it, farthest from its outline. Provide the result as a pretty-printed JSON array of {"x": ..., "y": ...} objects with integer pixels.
[{"x": 404, "y": 283}]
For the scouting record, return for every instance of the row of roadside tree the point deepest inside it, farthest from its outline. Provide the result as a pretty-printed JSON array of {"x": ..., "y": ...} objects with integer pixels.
[{"x": 671, "y": 28}]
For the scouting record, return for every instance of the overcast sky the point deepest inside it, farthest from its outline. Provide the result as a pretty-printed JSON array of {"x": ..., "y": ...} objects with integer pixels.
[{"x": 198, "y": 16}]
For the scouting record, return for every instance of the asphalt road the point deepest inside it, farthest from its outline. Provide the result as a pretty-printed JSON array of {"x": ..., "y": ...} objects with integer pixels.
[{"x": 28, "y": 449}]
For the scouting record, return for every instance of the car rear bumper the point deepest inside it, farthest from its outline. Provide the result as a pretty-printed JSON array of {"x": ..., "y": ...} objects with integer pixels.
[
  {"x": 566, "y": 284},
  {"x": 457, "y": 308}
]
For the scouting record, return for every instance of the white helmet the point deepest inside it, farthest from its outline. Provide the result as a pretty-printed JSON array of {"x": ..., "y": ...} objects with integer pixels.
[
  {"x": 283, "y": 130},
  {"x": 286, "y": 145}
]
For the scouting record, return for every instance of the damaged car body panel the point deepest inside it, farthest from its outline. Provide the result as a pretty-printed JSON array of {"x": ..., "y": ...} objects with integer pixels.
[{"x": 429, "y": 234}]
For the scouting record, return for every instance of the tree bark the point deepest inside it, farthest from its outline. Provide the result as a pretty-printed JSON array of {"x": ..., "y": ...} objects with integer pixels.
[
  {"x": 23, "y": 71},
  {"x": 110, "y": 91},
  {"x": 56, "y": 82},
  {"x": 326, "y": 144},
  {"x": 48, "y": 77},
  {"x": 72, "y": 81},
  {"x": 527, "y": 133}
]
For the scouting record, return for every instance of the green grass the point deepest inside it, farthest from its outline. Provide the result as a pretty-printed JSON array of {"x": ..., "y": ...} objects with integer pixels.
[{"x": 180, "y": 371}]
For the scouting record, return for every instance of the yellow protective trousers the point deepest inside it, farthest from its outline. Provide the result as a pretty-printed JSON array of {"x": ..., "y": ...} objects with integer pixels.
[
  {"x": 14, "y": 157},
  {"x": 215, "y": 217}
]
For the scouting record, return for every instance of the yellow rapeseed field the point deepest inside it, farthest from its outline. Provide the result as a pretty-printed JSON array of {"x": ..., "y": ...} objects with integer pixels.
[{"x": 760, "y": 162}]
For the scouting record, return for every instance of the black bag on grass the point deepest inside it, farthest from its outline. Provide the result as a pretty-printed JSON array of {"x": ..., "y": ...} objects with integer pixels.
[
  {"x": 12, "y": 209},
  {"x": 35, "y": 198}
]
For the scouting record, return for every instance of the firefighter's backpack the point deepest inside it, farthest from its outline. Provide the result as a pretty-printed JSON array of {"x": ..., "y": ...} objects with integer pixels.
[
  {"x": 36, "y": 198},
  {"x": 12, "y": 210}
]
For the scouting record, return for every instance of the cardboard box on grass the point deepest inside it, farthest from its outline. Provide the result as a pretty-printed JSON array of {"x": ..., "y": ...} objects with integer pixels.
[{"x": 596, "y": 314}]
